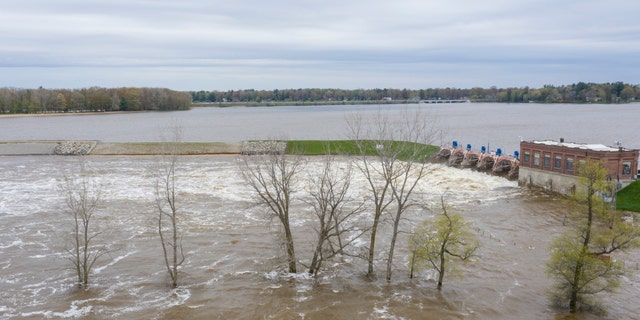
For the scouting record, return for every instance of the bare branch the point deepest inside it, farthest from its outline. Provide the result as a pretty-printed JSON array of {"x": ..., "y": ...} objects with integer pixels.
[
  {"x": 166, "y": 203},
  {"x": 271, "y": 175}
]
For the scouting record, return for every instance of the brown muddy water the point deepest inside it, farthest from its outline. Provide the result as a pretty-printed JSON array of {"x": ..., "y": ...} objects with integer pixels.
[{"x": 234, "y": 262}]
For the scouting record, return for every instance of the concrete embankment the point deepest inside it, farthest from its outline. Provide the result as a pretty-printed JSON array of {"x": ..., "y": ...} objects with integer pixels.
[
  {"x": 76, "y": 147},
  {"x": 27, "y": 148}
]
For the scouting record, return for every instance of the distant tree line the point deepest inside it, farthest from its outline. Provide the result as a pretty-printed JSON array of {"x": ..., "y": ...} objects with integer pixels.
[
  {"x": 41, "y": 100},
  {"x": 92, "y": 99},
  {"x": 581, "y": 92}
]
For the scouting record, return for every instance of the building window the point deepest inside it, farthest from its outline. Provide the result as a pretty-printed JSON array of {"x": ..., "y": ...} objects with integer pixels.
[
  {"x": 569, "y": 164},
  {"x": 526, "y": 157},
  {"x": 536, "y": 159},
  {"x": 626, "y": 168},
  {"x": 558, "y": 163},
  {"x": 547, "y": 160}
]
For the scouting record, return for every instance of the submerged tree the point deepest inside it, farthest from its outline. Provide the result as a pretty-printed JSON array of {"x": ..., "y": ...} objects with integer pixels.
[
  {"x": 272, "y": 174},
  {"x": 409, "y": 169},
  {"x": 333, "y": 209},
  {"x": 166, "y": 203},
  {"x": 580, "y": 262},
  {"x": 437, "y": 246},
  {"x": 393, "y": 160},
  {"x": 82, "y": 197}
]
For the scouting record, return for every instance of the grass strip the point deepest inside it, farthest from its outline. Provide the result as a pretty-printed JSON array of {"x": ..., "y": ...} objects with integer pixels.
[
  {"x": 629, "y": 198},
  {"x": 402, "y": 150}
]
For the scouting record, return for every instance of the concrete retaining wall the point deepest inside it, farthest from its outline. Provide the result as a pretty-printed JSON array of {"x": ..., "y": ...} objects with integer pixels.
[
  {"x": 16, "y": 148},
  {"x": 155, "y": 148},
  {"x": 552, "y": 181},
  {"x": 54, "y": 147}
]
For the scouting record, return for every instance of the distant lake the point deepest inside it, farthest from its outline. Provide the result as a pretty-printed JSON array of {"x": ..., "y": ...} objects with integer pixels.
[{"x": 490, "y": 124}]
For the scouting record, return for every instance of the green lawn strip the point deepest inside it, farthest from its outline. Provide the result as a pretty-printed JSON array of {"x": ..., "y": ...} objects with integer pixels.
[
  {"x": 629, "y": 198},
  {"x": 404, "y": 150},
  {"x": 321, "y": 147}
]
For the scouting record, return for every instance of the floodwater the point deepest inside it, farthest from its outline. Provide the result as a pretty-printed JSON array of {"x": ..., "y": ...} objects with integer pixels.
[{"x": 234, "y": 263}]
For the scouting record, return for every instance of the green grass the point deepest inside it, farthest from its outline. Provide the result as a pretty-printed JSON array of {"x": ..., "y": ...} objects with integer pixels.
[
  {"x": 629, "y": 198},
  {"x": 349, "y": 147},
  {"x": 320, "y": 147}
]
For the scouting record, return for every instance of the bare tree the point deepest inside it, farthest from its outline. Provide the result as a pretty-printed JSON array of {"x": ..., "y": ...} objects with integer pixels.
[
  {"x": 333, "y": 209},
  {"x": 368, "y": 157},
  {"x": 166, "y": 203},
  {"x": 393, "y": 159},
  {"x": 271, "y": 173},
  {"x": 82, "y": 197},
  {"x": 409, "y": 169}
]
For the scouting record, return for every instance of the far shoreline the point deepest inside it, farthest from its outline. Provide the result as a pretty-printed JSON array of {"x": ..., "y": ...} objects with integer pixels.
[
  {"x": 213, "y": 105},
  {"x": 61, "y": 114},
  {"x": 221, "y": 105}
]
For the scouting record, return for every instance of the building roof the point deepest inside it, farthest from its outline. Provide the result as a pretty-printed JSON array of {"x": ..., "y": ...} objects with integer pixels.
[{"x": 584, "y": 146}]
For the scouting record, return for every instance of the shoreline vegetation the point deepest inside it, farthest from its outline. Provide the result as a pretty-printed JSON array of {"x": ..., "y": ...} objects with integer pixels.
[
  {"x": 94, "y": 99},
  {"x": 97, "y": 100},
  {"x": 581, "y": 92}
]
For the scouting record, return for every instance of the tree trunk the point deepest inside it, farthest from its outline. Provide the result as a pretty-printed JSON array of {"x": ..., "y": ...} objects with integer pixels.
[
  {"x": 413, "y": 263},
  {"x": 291, "y": 253},
  {"x": 315, "y": 262},
  {"x": 577, "y": 276},
  {"x": 441, "y": 270},
  {"x": 392, "y": 246},
  {"x": 85, "y": 254},
  {"x": 78, "y": 263},
  {"x": 443, "y": 248},
  {"x": 372, "y": 244},
  {"x": 174, "y": 275},
  {"x": 337, "y": 226}
]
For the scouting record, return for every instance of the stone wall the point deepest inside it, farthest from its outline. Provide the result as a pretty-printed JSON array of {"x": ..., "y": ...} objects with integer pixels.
[
  {"x": 263, "y": 147},
  {"x": 73, "y": 148}
]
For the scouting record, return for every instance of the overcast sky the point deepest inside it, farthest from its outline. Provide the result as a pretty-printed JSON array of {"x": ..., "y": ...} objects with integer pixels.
[{"x": 269, "y": 44}]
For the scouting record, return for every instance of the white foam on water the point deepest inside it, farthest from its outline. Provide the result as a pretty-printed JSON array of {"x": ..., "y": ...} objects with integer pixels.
[
  {"x": 113, "y": 261},
  {"x": 162, "y": 301},
  {"x": 16, "y": 243},
  {"x": 74, "y": 311},
  {"x": 382, "y": 313}
]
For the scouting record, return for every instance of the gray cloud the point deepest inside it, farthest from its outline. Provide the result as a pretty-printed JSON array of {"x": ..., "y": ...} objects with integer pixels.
[{"x": 290, "y": 44}]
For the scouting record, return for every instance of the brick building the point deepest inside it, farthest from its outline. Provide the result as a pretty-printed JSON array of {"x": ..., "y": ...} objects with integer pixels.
[{"x": 553, "y": 164}]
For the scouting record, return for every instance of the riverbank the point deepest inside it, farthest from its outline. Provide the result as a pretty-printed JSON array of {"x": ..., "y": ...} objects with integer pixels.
[
  {"x": 58, "y": 114},
  {"x": 94, "y": 147}
]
